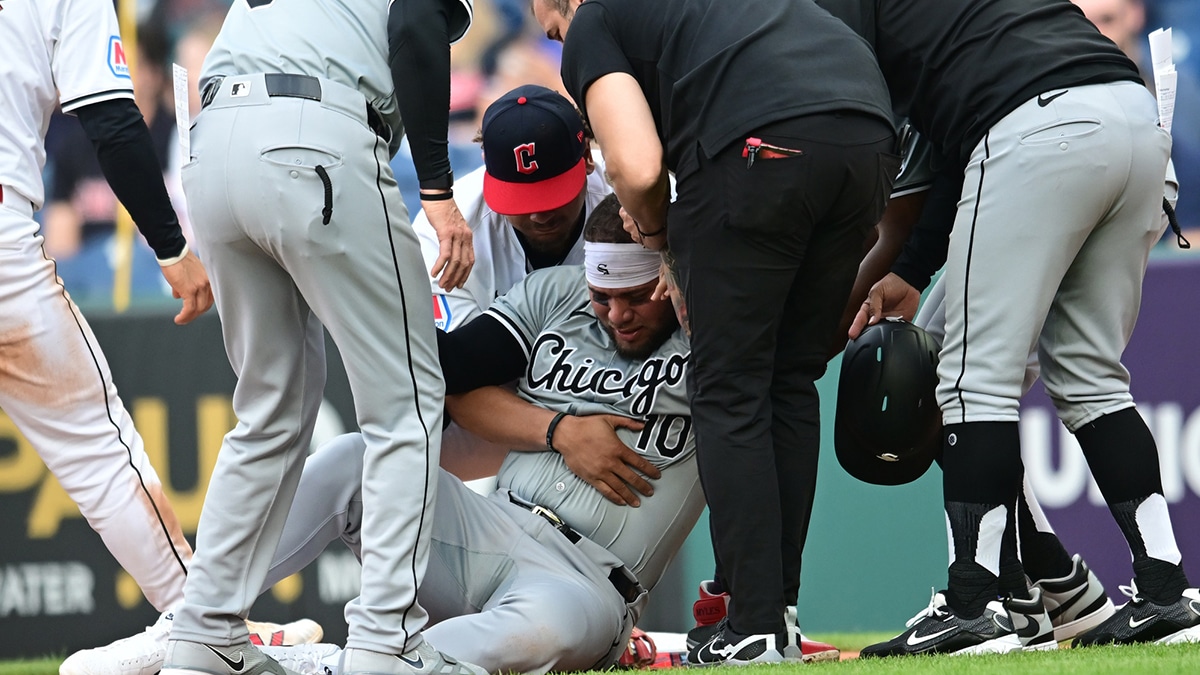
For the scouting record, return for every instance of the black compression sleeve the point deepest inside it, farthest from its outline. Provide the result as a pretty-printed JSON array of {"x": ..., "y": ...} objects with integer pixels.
[
  {"x": 480, "y": 353},
  {"x": 131, "y": 167},
  {"x": 925, "y": 251},
  {"x": 419, "y": 57}
]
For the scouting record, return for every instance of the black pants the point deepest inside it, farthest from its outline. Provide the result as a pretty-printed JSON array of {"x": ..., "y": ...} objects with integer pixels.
[{"x": 767, "y": 257}]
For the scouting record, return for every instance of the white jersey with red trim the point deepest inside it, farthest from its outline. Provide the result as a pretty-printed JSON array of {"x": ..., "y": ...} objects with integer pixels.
[
  {"x": 500, "y": 262},
  {"x": 52, "y": 50}
]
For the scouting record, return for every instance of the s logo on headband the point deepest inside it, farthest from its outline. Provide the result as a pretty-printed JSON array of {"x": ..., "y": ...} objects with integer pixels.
[
  {"x": 525, "y": 161},
  {"x": 602, "y": 268}
]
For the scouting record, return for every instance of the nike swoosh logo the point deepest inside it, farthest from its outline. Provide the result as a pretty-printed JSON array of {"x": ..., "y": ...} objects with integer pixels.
[
  {"x": 913, "y": 640},
  {"x": 235, "y": 666},
  {"x": 1135, "y": 624},
  {"x": 1044, "y": 100},
  {"x": 417, "y": 663}
]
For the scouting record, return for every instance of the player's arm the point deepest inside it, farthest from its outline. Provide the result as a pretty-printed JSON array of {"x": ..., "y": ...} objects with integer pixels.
[
  {"x": 588, "y": 444},
  {"x": 419, "y": 37},
  {"x": 899, "y": 292},
  {"x": 127, "y": 159},
  {"x": 633, "y": 154},
  {"x": 480, "y": 353}
]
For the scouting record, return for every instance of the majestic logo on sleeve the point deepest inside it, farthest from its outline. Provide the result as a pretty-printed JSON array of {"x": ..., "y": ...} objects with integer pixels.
[
  {"x": 525, "y": 161},
  {"x": 117, "y": 62},
  {"x": 551, "y": 368}
]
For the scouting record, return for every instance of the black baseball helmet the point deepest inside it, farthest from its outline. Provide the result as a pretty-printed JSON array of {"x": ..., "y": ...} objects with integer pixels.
[{"x": 888, "y": 426}]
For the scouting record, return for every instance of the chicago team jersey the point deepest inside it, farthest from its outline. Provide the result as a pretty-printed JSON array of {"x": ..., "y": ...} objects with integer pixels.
[
  {"x": 573, "y": 366},
  {"x": 500, "y": 261},
  {"x": 48, "y": 55}
]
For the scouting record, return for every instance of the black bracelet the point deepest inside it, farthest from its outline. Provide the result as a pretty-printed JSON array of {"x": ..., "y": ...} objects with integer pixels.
[
  {"x": 442, "y": 182},
  {"x": 648, "y": 234},
  {"x": 437, "y": 196},
  {"x": 550, "y": 431}
]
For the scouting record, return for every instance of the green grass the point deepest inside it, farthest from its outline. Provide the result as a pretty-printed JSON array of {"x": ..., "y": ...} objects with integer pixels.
[{"x": 1097, "y": 661}]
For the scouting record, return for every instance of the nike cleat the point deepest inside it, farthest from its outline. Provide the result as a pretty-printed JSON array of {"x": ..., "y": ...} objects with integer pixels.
[
  {"x": 1077, "y": 602},
  {"x": 1143, "y": 620},
  {"x": 193, "y": 658},
  {"x": 320, "y": 658},
  {"x": 302, "y": 632},
  {"x": 938, "y": 630},
  {"x": 422, "y": 660},
  {"x": 727, "y": 648},
  {"x": 1031, "y": 622}
]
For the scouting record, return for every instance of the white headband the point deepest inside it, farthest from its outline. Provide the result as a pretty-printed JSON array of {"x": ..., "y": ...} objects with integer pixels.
[{"x": 619, "y": 265}]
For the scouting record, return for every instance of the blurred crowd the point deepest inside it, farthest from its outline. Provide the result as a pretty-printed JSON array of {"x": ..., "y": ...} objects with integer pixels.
[{"x": 503, "y": 50}]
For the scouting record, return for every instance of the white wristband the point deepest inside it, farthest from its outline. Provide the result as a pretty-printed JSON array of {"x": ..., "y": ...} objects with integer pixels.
[{"x": 167, "y": 262}]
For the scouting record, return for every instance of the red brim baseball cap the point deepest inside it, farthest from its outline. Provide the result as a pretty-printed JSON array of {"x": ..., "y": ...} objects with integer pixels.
[{"x": 517, "y": 199}]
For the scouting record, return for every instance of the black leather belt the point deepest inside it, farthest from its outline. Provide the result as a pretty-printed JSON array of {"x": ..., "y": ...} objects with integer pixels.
[
  {"x": 627, "y": 585},
  {"x": 296, "y": 86}
]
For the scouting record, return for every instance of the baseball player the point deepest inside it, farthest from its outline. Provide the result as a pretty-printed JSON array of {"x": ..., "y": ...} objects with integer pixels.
[
  {"x": 602, "y": 373},
  {"x": 55, "y": 383},
  {"x": 1052, "y": 185},
  {"x": 302, "y": 225},
  {"x": 526, "y": 208}
]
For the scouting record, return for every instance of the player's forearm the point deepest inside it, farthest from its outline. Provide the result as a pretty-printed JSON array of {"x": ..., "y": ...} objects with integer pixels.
[
  {"x": 419, "y": 57},
  {"x": 130, "y": 165},
  {"x": 633, "y": 152},
  {"x": 497, "y": 415}
]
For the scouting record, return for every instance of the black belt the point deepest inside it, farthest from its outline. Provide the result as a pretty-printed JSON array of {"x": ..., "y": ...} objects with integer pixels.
[
  {"x": 627, "y": 585},
  {"x": 296, "y": 86}
]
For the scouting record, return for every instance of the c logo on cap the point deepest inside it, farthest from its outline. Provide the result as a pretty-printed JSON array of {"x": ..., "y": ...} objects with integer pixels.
[{"x": 525, "y": 161}]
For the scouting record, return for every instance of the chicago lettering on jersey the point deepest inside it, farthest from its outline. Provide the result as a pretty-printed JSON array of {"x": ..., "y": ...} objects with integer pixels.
[{"x": 583, "y": 377}]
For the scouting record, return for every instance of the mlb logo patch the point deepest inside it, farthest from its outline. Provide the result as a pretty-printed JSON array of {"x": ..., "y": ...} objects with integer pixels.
[
  {"x": 441, "y": 311},
  {"x": 117, "y": 62}
]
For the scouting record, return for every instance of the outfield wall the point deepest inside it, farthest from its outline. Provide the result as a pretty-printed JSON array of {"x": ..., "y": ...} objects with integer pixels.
[{"x": 872, "y": 557}]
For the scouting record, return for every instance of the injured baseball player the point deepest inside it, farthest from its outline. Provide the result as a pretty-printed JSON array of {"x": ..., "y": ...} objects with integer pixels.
[{"x": 547, "y": 573}]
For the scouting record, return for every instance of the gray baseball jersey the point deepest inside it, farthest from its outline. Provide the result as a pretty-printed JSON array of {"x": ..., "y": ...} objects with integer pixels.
[
  {"x": 573, "y": 367},
  {"x": 55, "y": 383},
  {"x": 302, "y": 225}
]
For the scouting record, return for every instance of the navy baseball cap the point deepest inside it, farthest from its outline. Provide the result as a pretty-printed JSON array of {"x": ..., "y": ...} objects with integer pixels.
[{"x": 533, "y": 148}]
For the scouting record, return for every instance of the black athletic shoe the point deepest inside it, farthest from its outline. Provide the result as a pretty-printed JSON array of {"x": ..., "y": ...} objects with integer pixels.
[
  {"x": 938, "y": 630},
  {"x": 1031, "y": 622},
  {"x": 1143, "y": 620},
  {"x": 727, "y": 648}
]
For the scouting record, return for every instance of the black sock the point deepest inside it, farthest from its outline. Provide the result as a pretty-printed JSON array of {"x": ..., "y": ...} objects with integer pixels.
[
  {"x": 1042, "y": 554},
  {"x": 1158, "y": 580}
]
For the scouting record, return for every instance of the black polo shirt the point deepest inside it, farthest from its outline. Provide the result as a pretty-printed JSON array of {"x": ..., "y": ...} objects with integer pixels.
[
  {"x": 956, "y": 67},
  {"x": 713, "y": 70}
]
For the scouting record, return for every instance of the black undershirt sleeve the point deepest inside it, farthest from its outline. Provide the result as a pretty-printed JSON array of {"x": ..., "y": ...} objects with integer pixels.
[
  {"x": 925, "y": 251},
  {"x": 419, "y": 58},
  {"x": 131, "y": 167},
  {"x": 480, "y": 353}
]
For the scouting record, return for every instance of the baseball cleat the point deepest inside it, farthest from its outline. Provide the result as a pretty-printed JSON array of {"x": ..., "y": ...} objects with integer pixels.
[
  {"x": 140, "y": 654},
  {"x": 319, "y": 658},
  {"x": 938, "y": 630},
  {"x": 708, "y": 611},
  {"x": 143, "y": 654},
  {"x": 727, "y": 648},
  {"x": 422, "y": 660},
  {"x": 1031, "y": 622},
  {"x": 193, "y": 658},
  {"x": 800, "y": 648},
  {"x": 1143, "y": 620},
  {"x": 1077, "y": 602},
  {"x": 302, "y": 632}
]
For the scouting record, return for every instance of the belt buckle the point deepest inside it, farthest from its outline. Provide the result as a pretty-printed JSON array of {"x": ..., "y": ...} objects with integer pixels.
[{"x": 548, "y": 515}]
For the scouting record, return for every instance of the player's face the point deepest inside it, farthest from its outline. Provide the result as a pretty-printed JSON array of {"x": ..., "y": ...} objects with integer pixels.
[
  {"x": 552, "y": 19},
  {"x": 636, "y": 323},
  {"x": 549, "y": 232}
]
